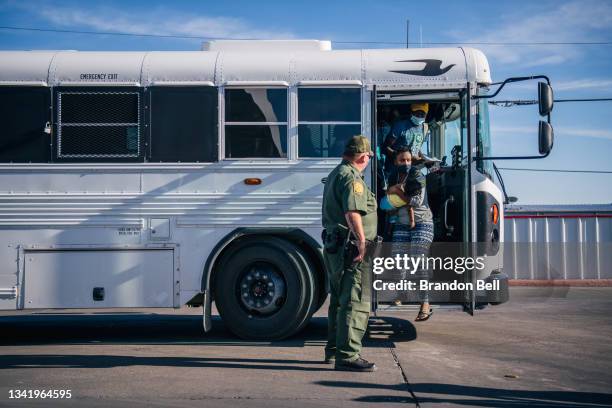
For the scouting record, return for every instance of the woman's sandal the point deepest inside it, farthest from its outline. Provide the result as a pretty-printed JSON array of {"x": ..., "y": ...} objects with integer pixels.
[{"x": 422, "y": 316}]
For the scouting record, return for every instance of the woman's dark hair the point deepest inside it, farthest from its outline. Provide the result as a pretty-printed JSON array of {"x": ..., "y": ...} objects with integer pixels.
[{"x": 400, "y": 150}]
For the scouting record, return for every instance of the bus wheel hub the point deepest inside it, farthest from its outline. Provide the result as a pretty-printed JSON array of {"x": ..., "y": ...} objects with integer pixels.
[{"x": 262, "y": 289}]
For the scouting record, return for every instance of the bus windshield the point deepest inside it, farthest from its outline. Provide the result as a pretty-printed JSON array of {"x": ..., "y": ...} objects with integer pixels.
[
  {"x": 484, "y": 137},
  {"x": 448, "y": 132}
]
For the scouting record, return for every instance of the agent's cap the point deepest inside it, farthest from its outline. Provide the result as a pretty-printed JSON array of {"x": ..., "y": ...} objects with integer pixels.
[
  {"x": 358, "y": 144},
  {"x": 420, "y": 106}
]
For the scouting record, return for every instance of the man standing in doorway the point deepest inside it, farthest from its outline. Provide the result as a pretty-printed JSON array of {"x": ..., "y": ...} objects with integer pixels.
[
  {"x": 411, "y": 131},
  {"x": 349, "y": 222}
]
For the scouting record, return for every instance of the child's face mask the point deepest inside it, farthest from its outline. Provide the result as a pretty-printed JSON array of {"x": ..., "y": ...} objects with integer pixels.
[{"x": 403, "y": 168}]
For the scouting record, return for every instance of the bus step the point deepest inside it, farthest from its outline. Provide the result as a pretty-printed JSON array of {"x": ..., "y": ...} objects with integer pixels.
[{"x": 415, "y": 307}]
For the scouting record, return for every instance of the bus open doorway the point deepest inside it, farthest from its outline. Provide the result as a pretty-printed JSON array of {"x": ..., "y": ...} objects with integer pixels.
[{"x": 445, "y": 134}]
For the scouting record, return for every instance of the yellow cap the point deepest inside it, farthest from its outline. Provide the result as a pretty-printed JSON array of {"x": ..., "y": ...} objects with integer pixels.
[{"x": 420, "y": 106}]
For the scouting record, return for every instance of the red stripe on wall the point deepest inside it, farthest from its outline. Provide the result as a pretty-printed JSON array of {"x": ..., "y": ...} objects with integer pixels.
[
  {"x": 564, "y": 282},
  {"x": 561, "y": 216}
]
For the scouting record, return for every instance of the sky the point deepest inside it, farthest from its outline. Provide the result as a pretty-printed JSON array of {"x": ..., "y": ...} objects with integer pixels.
[{"x": 583, "y": 136}]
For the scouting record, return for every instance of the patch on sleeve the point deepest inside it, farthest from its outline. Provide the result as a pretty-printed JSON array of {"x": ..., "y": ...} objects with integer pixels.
[{"x": 358, "y": 187}]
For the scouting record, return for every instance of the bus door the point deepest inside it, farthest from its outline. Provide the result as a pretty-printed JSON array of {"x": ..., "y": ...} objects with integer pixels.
[{"x": 448, "y": 190}]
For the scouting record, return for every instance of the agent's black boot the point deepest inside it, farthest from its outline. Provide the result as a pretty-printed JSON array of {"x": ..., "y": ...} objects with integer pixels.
[{"x": 359, "y": 365}]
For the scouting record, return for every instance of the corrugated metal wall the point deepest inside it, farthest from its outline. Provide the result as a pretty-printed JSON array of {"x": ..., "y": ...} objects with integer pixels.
[{"x": 555, "y": 242}]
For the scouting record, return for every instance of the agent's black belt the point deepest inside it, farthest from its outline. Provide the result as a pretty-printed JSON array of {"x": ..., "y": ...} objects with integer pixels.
[{"x": 334, "y": 239}]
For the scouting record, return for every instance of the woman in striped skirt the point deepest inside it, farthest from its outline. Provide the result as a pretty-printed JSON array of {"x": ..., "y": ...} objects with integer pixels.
[{"x": 406, "y": 200}]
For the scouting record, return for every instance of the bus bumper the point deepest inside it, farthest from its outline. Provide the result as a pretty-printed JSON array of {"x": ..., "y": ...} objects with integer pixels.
[{"x": 501, "y": 295}]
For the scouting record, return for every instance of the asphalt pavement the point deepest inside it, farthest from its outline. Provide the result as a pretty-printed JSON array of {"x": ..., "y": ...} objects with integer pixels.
[{"x": 547, "y": 347}]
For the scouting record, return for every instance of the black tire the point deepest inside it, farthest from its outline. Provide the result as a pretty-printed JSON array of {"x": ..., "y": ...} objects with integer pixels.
[
  {"x": 319, "y": 276},
  {"x": 321, "y": 292},
  {"x": 313, "y": 287},
  {"x": 279, "y": 258}
]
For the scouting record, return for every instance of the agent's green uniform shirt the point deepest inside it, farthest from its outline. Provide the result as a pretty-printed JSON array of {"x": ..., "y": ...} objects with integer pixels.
[
  {"x": 345, "y": 190},
  {"x": 349, "y": 303}
]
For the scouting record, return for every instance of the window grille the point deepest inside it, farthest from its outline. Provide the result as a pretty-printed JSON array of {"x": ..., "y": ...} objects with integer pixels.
[{"x": 98, "y": 124}]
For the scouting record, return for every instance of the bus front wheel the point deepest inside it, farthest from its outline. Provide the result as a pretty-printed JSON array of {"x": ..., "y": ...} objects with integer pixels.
[{"x": 264, "y": 288}]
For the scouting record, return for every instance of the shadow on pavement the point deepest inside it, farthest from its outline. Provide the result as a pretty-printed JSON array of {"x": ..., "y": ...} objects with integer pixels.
[
  {"x": 442, "y": 394},
  {"x": 109, "y": 361},
  {"x": 165, "y": 329},
  {"x": 137, "y": 329}
]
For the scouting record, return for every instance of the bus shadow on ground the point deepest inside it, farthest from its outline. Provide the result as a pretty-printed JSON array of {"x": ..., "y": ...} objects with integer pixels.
[
  {"x": 152, "y": 328},
  {"x": 443, "y": 394},
  {"x": 141, "y": 329},
  {"x": 45, "y": 361}
]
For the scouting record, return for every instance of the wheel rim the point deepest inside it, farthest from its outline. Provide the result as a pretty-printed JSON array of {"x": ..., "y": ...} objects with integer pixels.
[{"x": 262, "y": 289}]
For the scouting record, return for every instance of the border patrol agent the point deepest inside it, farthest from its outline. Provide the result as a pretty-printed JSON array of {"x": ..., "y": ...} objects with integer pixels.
[{"x": 349, "y": 222}]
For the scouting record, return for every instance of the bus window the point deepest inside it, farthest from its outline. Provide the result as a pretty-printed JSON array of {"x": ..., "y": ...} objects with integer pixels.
[
  {"x": 484, "y": 139},
  {"x": 24, "y": 114},
  {"x": 183, "y": 124},
  {"x": 256, "y": 123},
  {"x": 98, "y": 125},
  {"x": 446, "y": 133},
  {"x": 452, "y": 137},
  {"x": 327, "y": 118}
]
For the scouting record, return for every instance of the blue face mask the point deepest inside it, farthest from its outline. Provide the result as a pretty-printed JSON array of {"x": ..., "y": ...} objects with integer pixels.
[{"x": 417, "y": 120}]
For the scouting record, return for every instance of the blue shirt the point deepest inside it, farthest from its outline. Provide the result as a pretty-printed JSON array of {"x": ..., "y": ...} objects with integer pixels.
[{"x": 407, "y": 133}]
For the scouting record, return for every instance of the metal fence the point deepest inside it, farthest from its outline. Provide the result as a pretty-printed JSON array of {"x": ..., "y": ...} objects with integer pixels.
[{"x": 558, "y": 242}]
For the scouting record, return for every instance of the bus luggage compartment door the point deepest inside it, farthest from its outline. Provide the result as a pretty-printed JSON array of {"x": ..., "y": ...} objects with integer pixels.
[{"x": 98, "y": 278}]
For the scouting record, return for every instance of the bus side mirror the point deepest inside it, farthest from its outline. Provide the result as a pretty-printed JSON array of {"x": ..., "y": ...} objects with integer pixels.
[
  {"x": 545, "y": 138},
  {"x": 545, "y": 98}
]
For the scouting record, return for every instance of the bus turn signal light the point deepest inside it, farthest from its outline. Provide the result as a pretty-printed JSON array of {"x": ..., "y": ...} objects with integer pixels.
[
  {"x": 252, "y": 181},
  {"x": 494, "y": 214}
]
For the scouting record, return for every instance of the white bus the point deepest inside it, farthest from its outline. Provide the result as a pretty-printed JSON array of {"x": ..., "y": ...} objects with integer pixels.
[{"x": 162, "y": 179}]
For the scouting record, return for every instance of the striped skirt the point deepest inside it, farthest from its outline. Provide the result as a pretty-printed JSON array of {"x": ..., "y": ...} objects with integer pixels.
[{"x": 414, "y": 242}]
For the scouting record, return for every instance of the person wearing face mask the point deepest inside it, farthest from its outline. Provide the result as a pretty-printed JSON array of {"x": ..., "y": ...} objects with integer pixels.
[
  {"x": 412, "y": 219},
  {"x": 411, "y": 131}
]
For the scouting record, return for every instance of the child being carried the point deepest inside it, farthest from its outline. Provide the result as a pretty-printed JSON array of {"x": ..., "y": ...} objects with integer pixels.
[{"x": 407, "y": 186}]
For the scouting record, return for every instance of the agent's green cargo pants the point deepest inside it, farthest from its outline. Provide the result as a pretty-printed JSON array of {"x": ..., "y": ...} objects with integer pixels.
[{"x": 349, "y": 306}]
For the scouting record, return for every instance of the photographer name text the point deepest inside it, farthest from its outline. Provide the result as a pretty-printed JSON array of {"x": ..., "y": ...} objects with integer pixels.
[{"x": 423, "y": 284}]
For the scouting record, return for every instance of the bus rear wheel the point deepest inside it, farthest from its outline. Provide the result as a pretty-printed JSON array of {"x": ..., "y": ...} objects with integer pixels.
[{"x": 264, "y": 289}]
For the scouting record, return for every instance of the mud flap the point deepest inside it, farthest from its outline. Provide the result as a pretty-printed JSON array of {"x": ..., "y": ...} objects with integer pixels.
[{"x": 206, "y": 306}]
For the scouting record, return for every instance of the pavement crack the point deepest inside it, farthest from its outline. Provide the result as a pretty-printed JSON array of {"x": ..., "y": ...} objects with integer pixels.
[{"x": 404, "y": 376}]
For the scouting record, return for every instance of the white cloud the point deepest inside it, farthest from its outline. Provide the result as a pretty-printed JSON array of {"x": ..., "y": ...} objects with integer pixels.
[
  {"x": 559, "y": 131},
  {"x": 574, "y": 21},
  {"x": 512, "y": 129},
  {"x": 596, "y": 133},
  {"x": 548, "y": 60},
  {"x": 160, "y": 21},
  {"x": 597, "y": 84}
]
